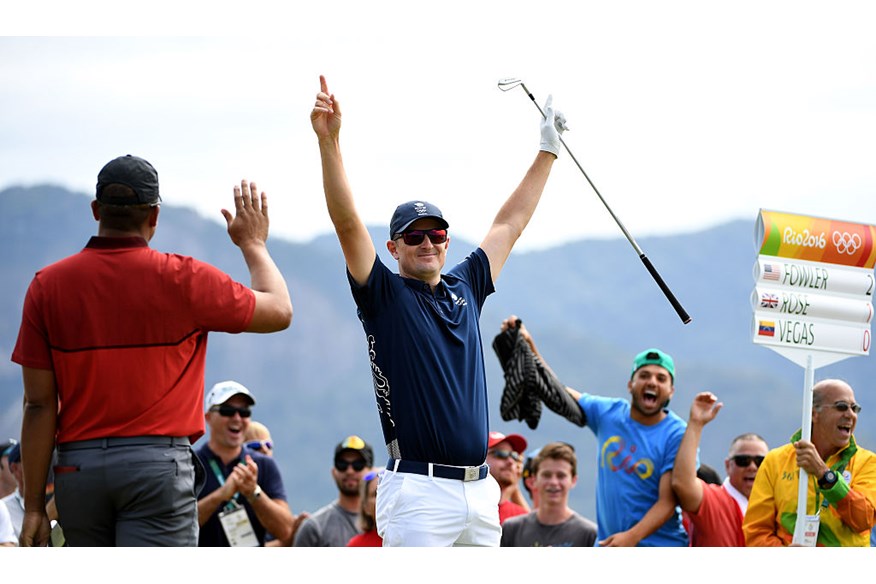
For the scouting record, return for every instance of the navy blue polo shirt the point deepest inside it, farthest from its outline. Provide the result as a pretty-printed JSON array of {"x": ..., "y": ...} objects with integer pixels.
[
  {"x": 270, "y": 480},
  {"x": 427, "y": 360}
]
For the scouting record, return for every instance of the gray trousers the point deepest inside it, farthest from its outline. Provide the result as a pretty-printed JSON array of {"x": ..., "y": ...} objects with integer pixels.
[{"x": 128, "y": 492}]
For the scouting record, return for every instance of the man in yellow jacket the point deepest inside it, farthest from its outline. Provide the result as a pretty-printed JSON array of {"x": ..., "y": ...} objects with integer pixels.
[{"x": 842, "y": 478}]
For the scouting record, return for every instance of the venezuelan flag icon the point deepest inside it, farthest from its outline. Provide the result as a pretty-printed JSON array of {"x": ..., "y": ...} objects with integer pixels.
[{"x": 766, "y": 328}]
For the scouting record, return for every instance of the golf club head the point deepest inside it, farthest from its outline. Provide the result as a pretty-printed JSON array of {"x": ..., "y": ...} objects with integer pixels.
[{"x": 509, "y": 83}]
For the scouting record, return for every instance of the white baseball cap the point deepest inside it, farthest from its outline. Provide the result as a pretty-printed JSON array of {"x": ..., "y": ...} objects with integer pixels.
[{"x": 225, "y": 390}]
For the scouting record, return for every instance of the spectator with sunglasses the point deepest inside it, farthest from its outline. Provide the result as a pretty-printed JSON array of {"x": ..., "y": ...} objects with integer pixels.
[
  {"x": 337, "y": 522},
  {"x": 112, "y": 348},
  {"x": 244, "y": 497},
  {"x": 258, "y": 437},
  {"x": 841, "y": 500},
  {"x": 505, "y": 457},
  {"x": 425, "y": 345},
  {"x": 714, "y": 513}
]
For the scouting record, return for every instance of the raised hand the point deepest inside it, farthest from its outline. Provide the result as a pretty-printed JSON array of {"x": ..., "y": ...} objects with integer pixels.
[
  {"x": 250, "y": 222},
  {"x": 705, "y": 407},
  {"x": 553, "y": 124},
  {"x": 326, "y": 114}
]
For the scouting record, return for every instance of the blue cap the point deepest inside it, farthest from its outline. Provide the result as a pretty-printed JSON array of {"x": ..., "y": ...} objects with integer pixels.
[
  {"x": 407, "y": 213},
  {"x": 14, "y": 453},
  {"x": 654, "y": 357}
]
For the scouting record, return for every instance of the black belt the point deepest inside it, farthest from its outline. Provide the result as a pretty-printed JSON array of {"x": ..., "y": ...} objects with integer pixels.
[
  {"x": 459, "y": 473},
  {"x": 124, "y": 441}
]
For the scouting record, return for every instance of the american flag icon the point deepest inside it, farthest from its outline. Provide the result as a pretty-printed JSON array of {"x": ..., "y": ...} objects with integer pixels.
[
  {"x": 768, "y": 300},
  {"x": 772, "y": 272}
]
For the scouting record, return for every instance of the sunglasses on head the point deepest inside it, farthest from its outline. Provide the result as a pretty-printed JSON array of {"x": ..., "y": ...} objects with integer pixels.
[
  {"x": 503, "y": 454},
  {"x": 229, "y": 411},
  {"x": 743, "y": 460},
  {"x": 842, "y": 406},
  {"x": 343, "y": 465},
  {"x": 415, "y": 236},
  {"x": 259, "y": 444}
]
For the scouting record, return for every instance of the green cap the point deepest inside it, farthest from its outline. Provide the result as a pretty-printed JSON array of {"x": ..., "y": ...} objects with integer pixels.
[{"x": 654, "y": 357}]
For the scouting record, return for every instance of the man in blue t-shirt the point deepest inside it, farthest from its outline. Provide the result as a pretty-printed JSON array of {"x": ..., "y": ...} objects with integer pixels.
[
  {"x": 637, "y": 442},
  {"x": 425, "y": 348}
]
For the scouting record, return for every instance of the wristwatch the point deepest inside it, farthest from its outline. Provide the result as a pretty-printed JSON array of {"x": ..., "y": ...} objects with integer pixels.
[
  {"x": 258, "y": 493},
  {"x": 827, "y": 480}
]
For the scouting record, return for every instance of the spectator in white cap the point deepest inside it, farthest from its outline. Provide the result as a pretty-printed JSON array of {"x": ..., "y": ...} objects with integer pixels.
[{"x": 243, "y": 498}]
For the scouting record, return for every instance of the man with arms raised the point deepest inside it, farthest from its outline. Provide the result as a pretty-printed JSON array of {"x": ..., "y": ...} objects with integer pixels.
[{"x": 425, "y": 346}]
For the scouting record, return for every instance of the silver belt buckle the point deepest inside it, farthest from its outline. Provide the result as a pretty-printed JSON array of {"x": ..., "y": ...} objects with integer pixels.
[{"x": 472, "y": 473}]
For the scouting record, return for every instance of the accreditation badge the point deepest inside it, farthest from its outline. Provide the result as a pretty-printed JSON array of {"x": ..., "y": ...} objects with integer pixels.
[
  {"x": 810, "y": 530},
  {"x": 237, "y": 527}
]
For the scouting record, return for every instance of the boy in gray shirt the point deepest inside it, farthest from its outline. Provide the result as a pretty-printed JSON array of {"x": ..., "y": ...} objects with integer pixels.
[{"x": 552, "y": 523}]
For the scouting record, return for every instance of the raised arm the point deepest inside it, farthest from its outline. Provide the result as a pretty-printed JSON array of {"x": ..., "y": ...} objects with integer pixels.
[
  {"x": 687, "y": 486},
  {"x": 248, "y": 229},
  {"x": 518, "y": 209},
  {"x": 563, "y": 400},
  {"x": 356, "y": 244}
]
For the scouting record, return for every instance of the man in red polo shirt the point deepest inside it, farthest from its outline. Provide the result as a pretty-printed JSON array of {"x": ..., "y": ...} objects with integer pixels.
[
  {"x": 112, "y": 347},
  {"x": 715, "y": 512}
]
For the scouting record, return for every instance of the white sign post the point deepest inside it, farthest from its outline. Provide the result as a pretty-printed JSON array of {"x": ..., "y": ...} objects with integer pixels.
[{"x": 812, "y": 301}]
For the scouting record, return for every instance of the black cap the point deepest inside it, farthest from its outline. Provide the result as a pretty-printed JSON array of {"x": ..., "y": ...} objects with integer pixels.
[
  {"x": 407, "y": 213},
  {"x": 132, "y": 172},
  {"x": 356, "y": 444}
]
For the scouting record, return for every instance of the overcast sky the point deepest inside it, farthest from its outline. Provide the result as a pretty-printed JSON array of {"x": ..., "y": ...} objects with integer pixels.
[{"x": 683, "y": 114}]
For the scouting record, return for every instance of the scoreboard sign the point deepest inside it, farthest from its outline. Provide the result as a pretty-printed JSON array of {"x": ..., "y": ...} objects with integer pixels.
[{"x": 814, "y": 287}]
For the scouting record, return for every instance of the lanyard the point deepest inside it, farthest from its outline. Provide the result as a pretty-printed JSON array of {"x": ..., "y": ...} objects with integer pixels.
[{"x": 221, "y": 478}]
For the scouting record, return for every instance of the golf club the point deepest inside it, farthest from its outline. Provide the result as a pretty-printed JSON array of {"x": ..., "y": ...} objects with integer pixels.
[{"x": 511, "y": 83}]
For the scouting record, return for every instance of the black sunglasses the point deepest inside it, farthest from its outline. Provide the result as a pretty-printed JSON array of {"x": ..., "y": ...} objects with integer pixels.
[
  {"x": 842, "y": 406},
  {"x": 743, "y": 460},
  {"x": 229, "y": 411},
  {"x": 503, "y": 454},
  {"x": 415, "y": 236},
  {"x": 343, "y": 465}
]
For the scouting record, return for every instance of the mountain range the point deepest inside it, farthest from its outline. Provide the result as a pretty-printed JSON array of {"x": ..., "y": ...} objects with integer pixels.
[{"x": 590, "y": 305}]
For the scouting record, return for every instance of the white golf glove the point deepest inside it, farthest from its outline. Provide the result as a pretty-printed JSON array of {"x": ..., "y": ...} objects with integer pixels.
[{"x": 552, "y": 125}]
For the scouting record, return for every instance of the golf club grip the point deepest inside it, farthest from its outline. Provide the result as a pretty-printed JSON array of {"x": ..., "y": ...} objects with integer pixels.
[{"x": 672, "y": 300}]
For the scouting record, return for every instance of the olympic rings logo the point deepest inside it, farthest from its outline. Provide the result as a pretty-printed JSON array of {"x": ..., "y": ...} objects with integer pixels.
[{"x": 846, "y": 243}]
